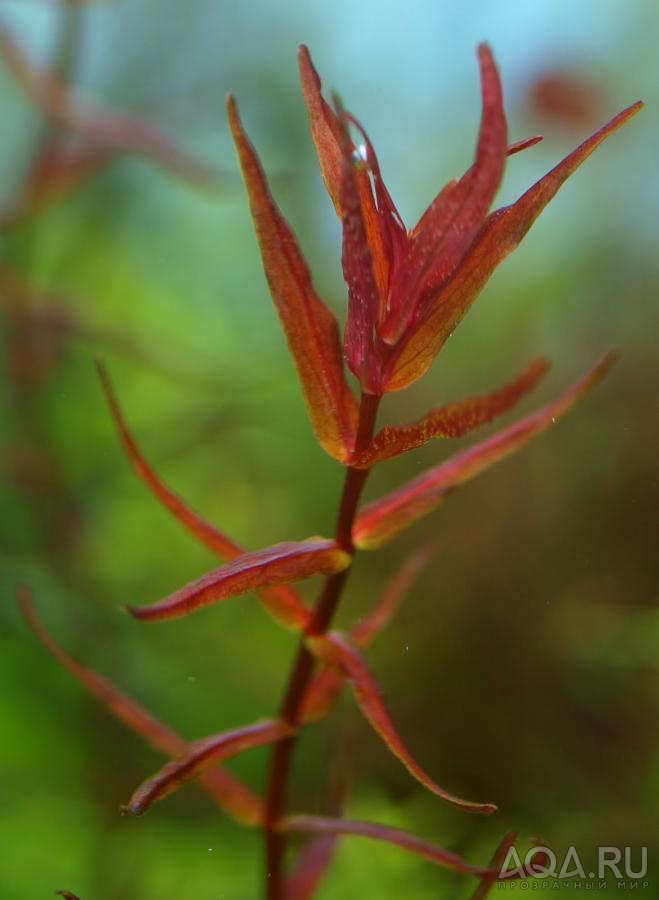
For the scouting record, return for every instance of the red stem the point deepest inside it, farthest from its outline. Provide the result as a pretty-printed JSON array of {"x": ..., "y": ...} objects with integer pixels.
[{"x": 282, "y": 754}]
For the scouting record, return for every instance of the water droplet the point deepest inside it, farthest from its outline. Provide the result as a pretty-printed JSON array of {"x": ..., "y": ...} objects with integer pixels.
[
  {"x": 192, "y": 677},
  {"x": 360, "y": 156}
]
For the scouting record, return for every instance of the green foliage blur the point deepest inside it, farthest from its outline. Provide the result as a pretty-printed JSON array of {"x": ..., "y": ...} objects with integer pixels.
[{"x": 524, "y": 667}]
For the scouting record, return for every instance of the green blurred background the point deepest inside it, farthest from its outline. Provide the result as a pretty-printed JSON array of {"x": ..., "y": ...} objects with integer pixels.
[{"x": 524, "y": 667}]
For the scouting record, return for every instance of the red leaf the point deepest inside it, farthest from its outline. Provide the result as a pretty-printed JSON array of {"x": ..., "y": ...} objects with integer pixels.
[
  {"x": 451, "y": 421},
  {"x": 335, "y": 650},
  {"x": 382, "y": 520},
  {"x": 311, "y": 329},
  {"x": 524, "y": 144},
  {"x": 392, "y": 597},
  {"x": 502, "y": 232},
  {"x": 102, "y": 128},
  {"x": 324, "y": 690},
  {"x": 202, "y": 754},
  {"x": 283, "y": 602},
  {"x": 454, "y": 218},
  {"x": 497, "y": 861},
  {"x": 231, "y": 795},
  {"x": 359, "y": 271},
  {"x": 410, "y": 842},
  {"x": 324, "y": 127},
  {"x": 291, "y": 561},
  {"x": 311, "y": 867}
]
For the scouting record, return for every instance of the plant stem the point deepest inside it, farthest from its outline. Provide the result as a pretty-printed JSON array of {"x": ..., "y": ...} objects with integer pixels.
[{"x": 282, "y": 755}]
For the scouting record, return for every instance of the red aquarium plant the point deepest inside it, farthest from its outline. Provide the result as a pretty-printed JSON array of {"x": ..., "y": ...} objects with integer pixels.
[{"x": 407, "y": 291}]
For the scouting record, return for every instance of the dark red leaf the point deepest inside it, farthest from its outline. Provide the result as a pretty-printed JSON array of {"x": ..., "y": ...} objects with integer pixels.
[
  {"x": 497, "y": 861},
  {"x": 451, "y": 421},
  {"x": 336, "y": 651},
  {"x": 409, "y": 842},
  {"x": 454, "y": 218},
  {"x": 290, "y": 561},
  {"x": 311, "y": 867},
  {"x": 382, "y": 520},
  {"x": 201, "y": 755},
  {"x": 283, "y": 602},
  {"x": 502, "y": 232},
  {"x": 324, "y": 690}
]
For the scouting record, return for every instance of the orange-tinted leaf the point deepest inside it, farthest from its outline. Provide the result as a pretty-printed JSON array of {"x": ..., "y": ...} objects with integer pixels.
[
  {"x": 503, "y": 231},
  {"x": 381, "y": 521},
  {"x": 454, "y": 218},
  {"x": 102, "y": 128},
  {"x": 68, "y": 895},
  {"x": 325, "y": 688},
  {"x": 324, "y": 127},
  {"x": 289, "y": 561},
  {"x": 311, "y": 329},
  {"x": 283, "y": 601},
  {"x": 451, "y": 421},
  {"x": 200, "y": 755},
  {"x": 336, "y": 651},
  {"x": 410, "y": 842},
  {"x": 230, "y": 794}
]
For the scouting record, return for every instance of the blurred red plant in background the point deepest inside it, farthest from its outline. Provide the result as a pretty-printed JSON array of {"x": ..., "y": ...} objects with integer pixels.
[{"x": 407, "y": 291}]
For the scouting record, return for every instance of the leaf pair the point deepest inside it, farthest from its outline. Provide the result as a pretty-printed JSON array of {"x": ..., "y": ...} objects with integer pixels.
[
  {"x": 451, "y": 421},
  {"x": 379, "y": 522}
]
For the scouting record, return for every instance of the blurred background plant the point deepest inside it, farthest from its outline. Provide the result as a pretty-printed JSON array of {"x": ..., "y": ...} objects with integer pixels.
[{"x": 534, "y": 631}]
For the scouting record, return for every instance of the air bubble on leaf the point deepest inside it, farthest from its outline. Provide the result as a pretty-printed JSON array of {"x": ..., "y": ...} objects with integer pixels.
[{"x": 360, "y": 156}]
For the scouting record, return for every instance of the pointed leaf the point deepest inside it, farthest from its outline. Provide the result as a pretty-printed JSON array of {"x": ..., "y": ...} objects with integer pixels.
[
  {"x": 324, "y": 127},
  {"x": 311, "y": 329},
  {"x": 105, "y": 128},
  {"x": 454, "y": 218},
  {"x": 502, "y": 232},
  {"x": 283, "y": 602},
  {"x": 324, "y": 690},
  {"x": 335, "y": 650},
  {"x": 202, "y": 754},
  {"x": 524, "y": 144},
  {"x": 382, "y": 520},
  {"x": 229, "y": 792},
  {"x": 410, "y": 842},
  {"x": 451, "y": 421},
  {"x": 290, "y": 561},
  {"x": 326, "y": 133},
  {"x": 68, "y": 895}
]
